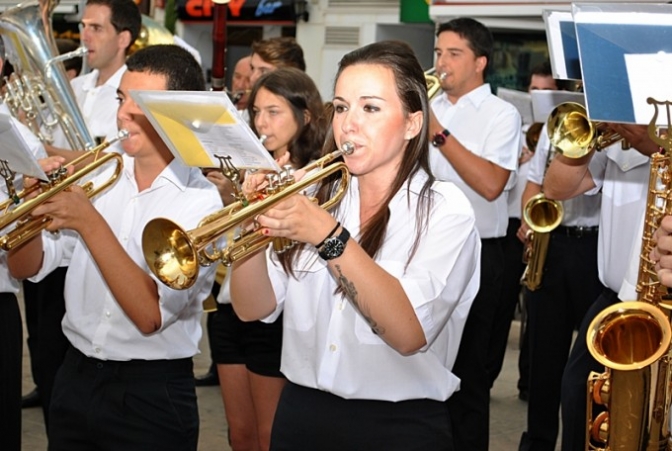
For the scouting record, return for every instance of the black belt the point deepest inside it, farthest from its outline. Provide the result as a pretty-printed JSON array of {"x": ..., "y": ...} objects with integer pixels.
[{"x": 577, "y": 231}]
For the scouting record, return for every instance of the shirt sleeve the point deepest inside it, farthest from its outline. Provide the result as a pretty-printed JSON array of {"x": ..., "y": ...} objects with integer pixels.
[
  {"x": 504, "y": 139},
  {"x": 56, "y": 249}
]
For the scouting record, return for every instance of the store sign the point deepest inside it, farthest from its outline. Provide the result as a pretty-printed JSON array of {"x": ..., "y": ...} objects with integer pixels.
[{"x": 239, "y": 10}]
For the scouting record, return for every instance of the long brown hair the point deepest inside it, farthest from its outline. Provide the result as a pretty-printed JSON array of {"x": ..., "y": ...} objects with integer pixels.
[{"x": 412, "y": 90}]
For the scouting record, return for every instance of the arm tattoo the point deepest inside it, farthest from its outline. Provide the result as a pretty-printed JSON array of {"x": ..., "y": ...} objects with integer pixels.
[{"x": 351, "y": 293}]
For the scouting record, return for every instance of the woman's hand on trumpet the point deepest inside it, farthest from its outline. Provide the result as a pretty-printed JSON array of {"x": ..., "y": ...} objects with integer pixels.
[
  {"x": 297, "y": 218},
  {"x": 661, "y": 254}
]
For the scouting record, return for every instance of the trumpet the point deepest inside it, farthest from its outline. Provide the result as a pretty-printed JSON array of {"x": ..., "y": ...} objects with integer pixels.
[
  {"x": 175, "y": 255},
  {"x": 575, "y": 136},
  {"x": 433, "y": 82},
  {"x": 28, "y": 227}
]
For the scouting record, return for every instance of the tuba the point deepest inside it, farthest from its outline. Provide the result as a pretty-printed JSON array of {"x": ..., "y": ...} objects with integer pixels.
[
  {"x": 40, "y": 89},
  {"x": 632, "y": 339},
  {"x": 175, "y": 255}
]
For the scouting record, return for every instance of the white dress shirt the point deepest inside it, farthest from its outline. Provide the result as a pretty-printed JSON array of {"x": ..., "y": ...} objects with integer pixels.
[
  {"x": 94, "y": 322},
  {"x": 623, "y": 178},
  {"x": 583, "y": 210},
  {"x": 327, "y": 345},
  {"x": 98, "y": 105},
  {"x": 488, "y": 127},
  {"x": 7, "y": 283}
]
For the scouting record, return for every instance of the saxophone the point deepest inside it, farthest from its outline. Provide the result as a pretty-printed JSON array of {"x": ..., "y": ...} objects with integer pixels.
[
  {"x": 543, "y": 216},
  {"x": 632, "y": 339}
]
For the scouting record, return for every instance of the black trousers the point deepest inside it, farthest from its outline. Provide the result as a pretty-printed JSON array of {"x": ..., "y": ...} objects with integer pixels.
[
  {"x": 470, "y": 407},
  {"x": 311, "y": 420},
  {"x": 49, "y": 345},
  {"x": 569, "y": 287},
  {"x": 575, "y": 377},
  {"x": 510, "y": 295},
  {"x": 11, "y": 350},
  {"x": 142, "y": 405}
]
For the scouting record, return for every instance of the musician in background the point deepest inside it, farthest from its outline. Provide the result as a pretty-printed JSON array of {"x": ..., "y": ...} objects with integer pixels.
[
  {"x": 476, "y": 141},
  {"x": 540, "y": 78},
  {"x": 568, "y": 287},
  {"x": 127, "y": 380},
  {"x": 11, "y": 331},
  {"x": 286, "y": 107},
  {"x": 56, "y": 344},
  {"x": 371, "y": 320},
  {"x": 622, "y": 178},
  {"x": 109, "y": 27},
  {"x": 241, "y": 82}
]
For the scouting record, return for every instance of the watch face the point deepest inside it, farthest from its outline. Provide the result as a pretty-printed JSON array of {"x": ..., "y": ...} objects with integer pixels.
[
  {"x": 333, "y": 248},
  {"x": 438, "y": 140}
]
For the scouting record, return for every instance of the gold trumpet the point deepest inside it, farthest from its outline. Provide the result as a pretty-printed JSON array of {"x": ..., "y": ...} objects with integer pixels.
[
  {"x": 574, "y": 135},
  {"x": 175, "y": 255},
  {"x": 433, "y": 82},
  {"x": 27, "y": 227}
]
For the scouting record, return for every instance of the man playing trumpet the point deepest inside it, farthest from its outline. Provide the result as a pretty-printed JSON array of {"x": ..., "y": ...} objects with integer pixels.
[{"x": 127, "y": 380}]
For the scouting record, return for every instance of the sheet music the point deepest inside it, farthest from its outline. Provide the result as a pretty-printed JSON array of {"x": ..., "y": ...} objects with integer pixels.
[
  {"x": 16, "y": 152},
  {"x": 649, "y": 76},
  {"x": 199, "y": 126},
  {"x": 521, "y": 100},
  {"x": 544, "y": 102},
  {"x": 562, "y": 45}
]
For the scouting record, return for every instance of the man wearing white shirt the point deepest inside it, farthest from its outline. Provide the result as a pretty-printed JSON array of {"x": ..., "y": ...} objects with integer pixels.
[
  {"x": 476, "y": 141},
  {"x": 11, "y": 335},
  {"x": 127, "y": 380},
  {"x": 622, "y": 177},
  {"x": 568, "y": 288}
]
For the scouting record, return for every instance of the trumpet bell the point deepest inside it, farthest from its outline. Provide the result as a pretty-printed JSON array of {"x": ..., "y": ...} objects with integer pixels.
[
  {"x": 570, "y": 131},
  {"x": 170, "y": 253}
]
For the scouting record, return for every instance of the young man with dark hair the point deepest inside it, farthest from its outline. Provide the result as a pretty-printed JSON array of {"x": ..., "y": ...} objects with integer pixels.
[
  {"x": 476, "y": 140},
  {"x": 127, "y": 378}
]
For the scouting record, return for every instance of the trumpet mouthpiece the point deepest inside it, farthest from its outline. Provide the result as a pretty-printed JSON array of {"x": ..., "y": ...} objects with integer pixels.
[
  {"x": 262, "y": 138},
  {"x": 122, "y": 134},
  {"x": 442, "y": 76},
  {"x": 348, "y": 148}
]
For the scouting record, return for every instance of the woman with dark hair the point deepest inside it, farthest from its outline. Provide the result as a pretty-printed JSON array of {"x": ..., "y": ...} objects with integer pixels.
[
  {"x": 285, "y": 107},
  {"x": 375, "y": 294}
]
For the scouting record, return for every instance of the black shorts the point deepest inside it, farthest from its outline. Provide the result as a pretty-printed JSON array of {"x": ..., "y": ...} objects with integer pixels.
[{"x": 255, "y": 344}]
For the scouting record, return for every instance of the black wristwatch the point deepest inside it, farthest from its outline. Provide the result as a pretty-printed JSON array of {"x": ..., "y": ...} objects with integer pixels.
[
  {"x": 334, "y": 246},
  {"x": 439, "y": 139}
]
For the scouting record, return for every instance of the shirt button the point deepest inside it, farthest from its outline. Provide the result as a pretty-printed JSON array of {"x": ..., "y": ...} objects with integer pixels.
[
  {"x": 108, "y": 314},
  {"x": 332, "y": 348},
  {"x": 341, "y": 305},
  {"x": 97, "y": 350}
]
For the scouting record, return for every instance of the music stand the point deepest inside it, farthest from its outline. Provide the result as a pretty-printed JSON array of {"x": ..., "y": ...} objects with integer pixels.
[
  {"x": 562, "y": 45},
  {"x": 622, "y": 47},
  {"x": 14, "y": 151}
]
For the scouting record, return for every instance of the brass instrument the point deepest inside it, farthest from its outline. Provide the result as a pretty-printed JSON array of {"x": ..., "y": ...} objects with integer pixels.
[
  {"x": 17, "y": 210},
  {"x": 433, "y": 83},
  {"x": 543, "y": 216},
  {"x": 532, "y": 135},
  {"x": 151, "y": 33},
  {"x": 40, "y": 87},
  {"x": 574, "y": 135},
  {"x": 175, "y": 255},
  {"x": 632, "y": 339}
]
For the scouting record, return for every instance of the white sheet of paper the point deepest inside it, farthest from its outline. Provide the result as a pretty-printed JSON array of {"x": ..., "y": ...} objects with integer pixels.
[
  {"x": 521, "y": 100},
  {"x": 649, "y": 76},
  {"x": 16, "y": 152},
  {"x": 198, "y": 126},
  {"x": 544, "y": 101}
]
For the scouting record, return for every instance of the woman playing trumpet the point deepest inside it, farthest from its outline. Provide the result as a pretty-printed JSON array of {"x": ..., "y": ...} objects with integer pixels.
[{"x": 374, "y": 300}]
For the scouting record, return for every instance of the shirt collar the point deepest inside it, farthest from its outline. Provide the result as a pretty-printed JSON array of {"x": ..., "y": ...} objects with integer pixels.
[
  {"x": 176, "y": 173},
  {"x": 91, "y": 79},
  {"x": 475, "y": 96}
]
